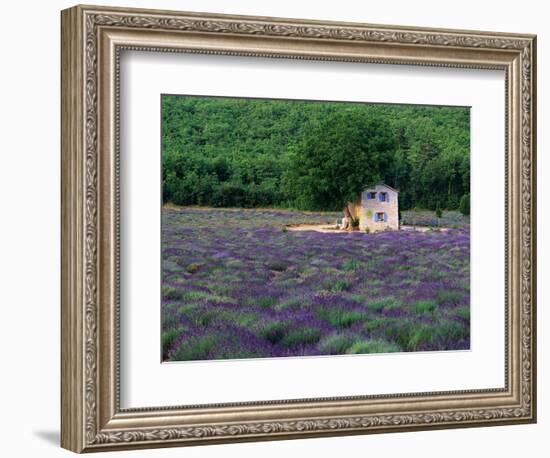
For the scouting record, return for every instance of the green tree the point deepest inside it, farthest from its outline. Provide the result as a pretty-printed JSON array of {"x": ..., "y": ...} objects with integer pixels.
[
  {"x": 438, "y": 211},
  {"x": 338, "y": 158},
  {"x": 465, "y": 205}
]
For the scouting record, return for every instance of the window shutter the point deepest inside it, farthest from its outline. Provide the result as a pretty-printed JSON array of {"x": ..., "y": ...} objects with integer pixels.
[
  {"x": 376, "y": 217},
  {"x": 381, "y": 197},
  {"x": 385, "y": 217},
  {"x": 387, "y": 197}
]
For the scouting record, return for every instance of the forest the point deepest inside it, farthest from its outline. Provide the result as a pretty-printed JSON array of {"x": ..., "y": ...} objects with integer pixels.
[{"x": 309, "y": 155}]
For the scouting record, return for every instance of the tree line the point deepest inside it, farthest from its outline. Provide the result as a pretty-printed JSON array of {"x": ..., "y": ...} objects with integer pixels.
[{"x": 229, "y": 152}]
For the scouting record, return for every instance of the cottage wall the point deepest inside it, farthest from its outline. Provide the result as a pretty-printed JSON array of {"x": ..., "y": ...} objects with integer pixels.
[{"x": 369, "y": 207}]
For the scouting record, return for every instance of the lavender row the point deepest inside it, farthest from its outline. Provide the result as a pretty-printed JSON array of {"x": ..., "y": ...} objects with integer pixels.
[{"x": 237, "y": 285}]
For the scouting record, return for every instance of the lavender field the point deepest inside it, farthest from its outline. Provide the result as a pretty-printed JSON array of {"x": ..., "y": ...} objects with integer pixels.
[{"x": 237, "y": 284}]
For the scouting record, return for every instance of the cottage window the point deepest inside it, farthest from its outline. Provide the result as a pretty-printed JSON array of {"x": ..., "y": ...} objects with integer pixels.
[
  {"x": 371, "y": 195},
  {"x": 384, "y": 197},
  {"x": 381, "y": 217}
]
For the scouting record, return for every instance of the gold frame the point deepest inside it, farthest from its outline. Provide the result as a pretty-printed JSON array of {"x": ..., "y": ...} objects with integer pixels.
[{"x": 92, "y": 39}]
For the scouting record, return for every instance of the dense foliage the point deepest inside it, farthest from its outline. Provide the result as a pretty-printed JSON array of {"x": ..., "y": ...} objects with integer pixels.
[
  {"x": 228, "y": 152},
  {"x": 465, "y": 205}
]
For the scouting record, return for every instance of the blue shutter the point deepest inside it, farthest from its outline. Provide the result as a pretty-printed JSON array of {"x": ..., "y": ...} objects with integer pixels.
[
  {"x": 385, "y": 217},
  {"x": 387, "y": 197},
  {"x": 381, "y": 197},
  {"x": 376, "y": 217},
  {"x": 368, "y": 196}
]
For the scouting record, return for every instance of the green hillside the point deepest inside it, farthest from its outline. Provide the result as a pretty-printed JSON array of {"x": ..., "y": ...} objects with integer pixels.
[{"x": 311, "y": 155}]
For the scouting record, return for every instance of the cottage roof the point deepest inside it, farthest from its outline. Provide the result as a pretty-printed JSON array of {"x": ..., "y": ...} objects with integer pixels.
[{"x": 382, "y": 184}]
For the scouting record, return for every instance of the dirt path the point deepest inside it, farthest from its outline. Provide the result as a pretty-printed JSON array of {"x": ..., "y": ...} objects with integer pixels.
[
  {"x": 331, "y": 229},
  {"x": 325, "y": 228},
  {"x": 424, "y": 228}
]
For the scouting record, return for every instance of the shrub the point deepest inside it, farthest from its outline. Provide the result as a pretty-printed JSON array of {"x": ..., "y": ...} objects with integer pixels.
[
  {"x": 373, "y": 346},
  {"x": 376, "y": 323},
  {"x": 187, "y": 308},
  {"x": 438, "y": 211},
  {"x": 464, "y": 206},
  {"x": 204, "y": 296},
  {"x": 359, "y": 298},
  {"x": 194, "y": 267},
  {"x": 351, "y": 264},
  {"x": 463, "y": 312},
  {"x": 422, "y": 335},
  {"x": 197, "y": 348},
  {"x": 415, "y": 337},
  {"x": 339, "y": 286},
  {"x": 300, "y": 336},
  {"x": 168, "y": 338},
  {"x": 169, "y": 320},
  {"x": 425, "y": 306},
  {"x": 233, "y": 351},
  {"x": 291, "y": 302},
  {"x": 170, "y": 293},
  {"x": 384, "y": 303},
  {"x": 205, "y": 317},
  {"x": 452, "y": 203},
  {"x": 449, "y": 297},
  {"x": 342, "y": 318},
  {"x": 266, "y": 301},
  {"x": 275, "y": 331},
  {"x": 452, "y": 332},
  {"x": 243, "y": 318},
  {"x": 336, "y": 344},
  {"x": 278, "y": 265}
]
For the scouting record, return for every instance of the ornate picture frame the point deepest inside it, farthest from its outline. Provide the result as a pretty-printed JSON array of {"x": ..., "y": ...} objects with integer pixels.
[{"x": 92, "y": 41}]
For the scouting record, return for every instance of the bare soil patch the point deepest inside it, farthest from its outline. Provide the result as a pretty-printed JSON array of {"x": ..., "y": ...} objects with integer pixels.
[
  {"x": 325, "y": 228},
  {"x": 332, "y": 229}
]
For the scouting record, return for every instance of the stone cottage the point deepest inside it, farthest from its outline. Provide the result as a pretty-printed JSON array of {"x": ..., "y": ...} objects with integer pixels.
[{"x": 377, "y": 208}]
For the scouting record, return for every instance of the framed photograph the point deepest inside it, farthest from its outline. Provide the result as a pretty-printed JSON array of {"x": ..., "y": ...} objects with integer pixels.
[{"x": 279, "y": 228}]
